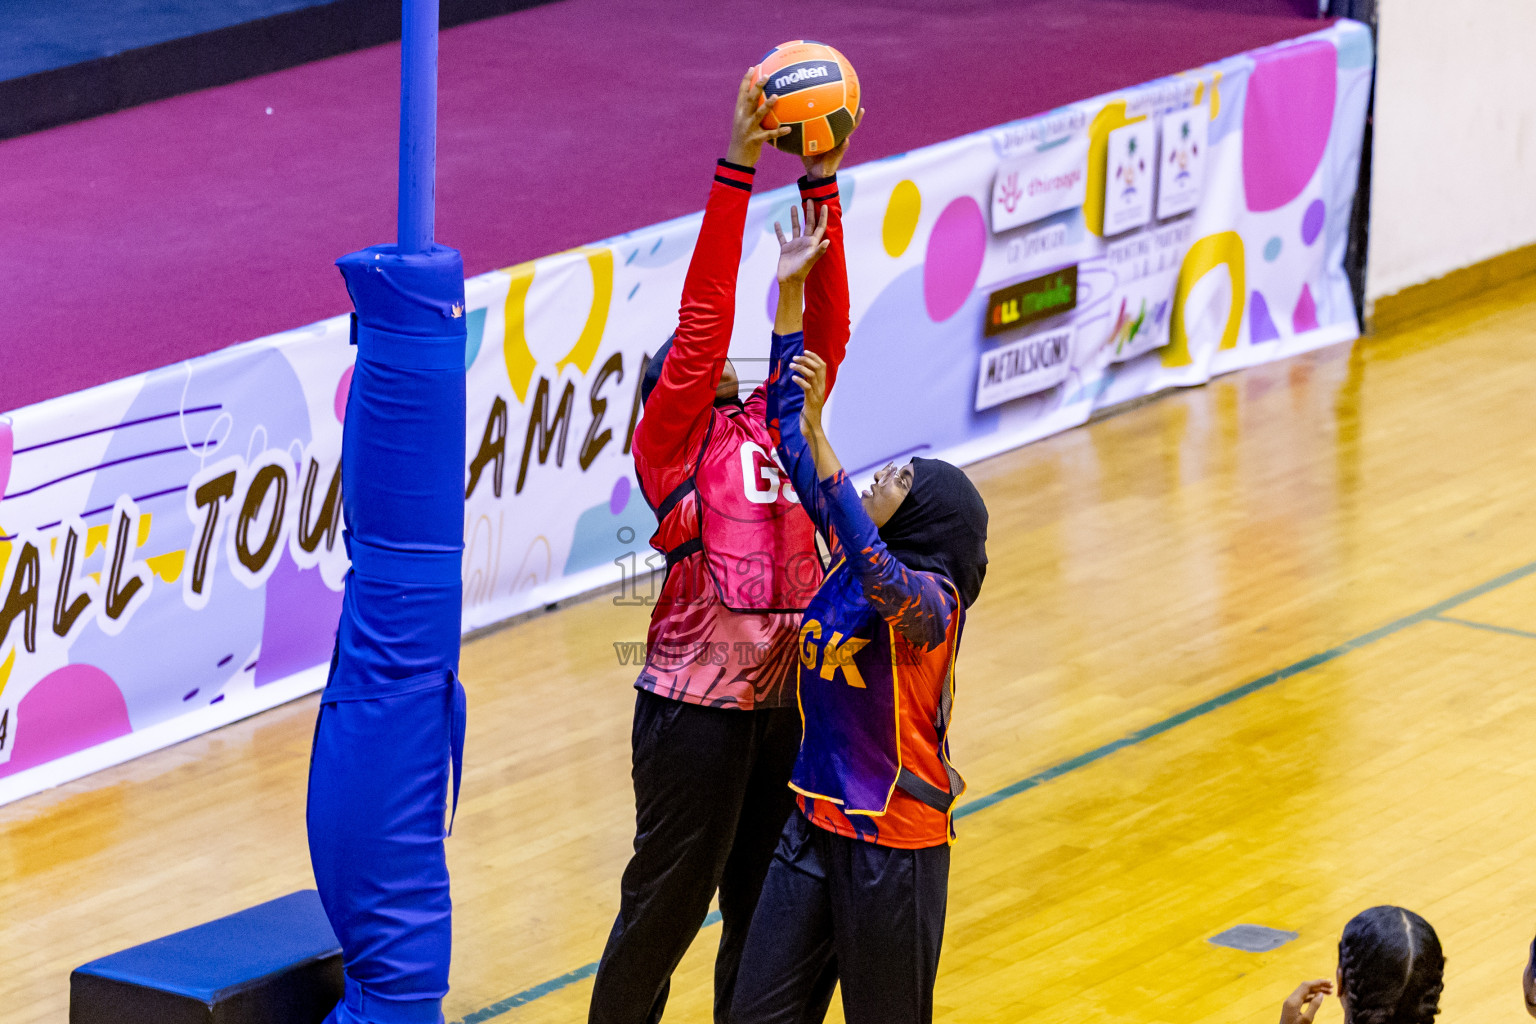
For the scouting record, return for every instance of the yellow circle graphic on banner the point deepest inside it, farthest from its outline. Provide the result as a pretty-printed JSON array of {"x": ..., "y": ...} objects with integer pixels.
[
  {"x": 1212, "y": 251},
  {"x": 901, "y": 215},
  {"x": 514, "y": 345}
]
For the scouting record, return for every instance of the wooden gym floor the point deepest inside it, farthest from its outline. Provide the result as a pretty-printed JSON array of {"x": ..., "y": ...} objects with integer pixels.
[{"x": 1258, "y": 652}]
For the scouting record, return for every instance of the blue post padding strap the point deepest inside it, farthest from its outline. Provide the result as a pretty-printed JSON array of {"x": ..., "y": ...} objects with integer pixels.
[
  {"x": 409, "y": 351},
  {"x": 460, "y": 722},
  {"x": 396, "y": 566},
  {"x": 336, "y": 691},
  {"x": 389, "y": 737}
]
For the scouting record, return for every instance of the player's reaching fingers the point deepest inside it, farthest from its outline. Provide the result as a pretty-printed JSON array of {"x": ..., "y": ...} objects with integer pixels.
[
  {"x": 811, "y": 362},
  {"x": 765, "y": 134},
  {"x": 1301, "y": 1006},
  {"x": 815, "y": 227}
]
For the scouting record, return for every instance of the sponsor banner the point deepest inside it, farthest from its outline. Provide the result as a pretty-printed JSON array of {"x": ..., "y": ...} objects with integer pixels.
[
  {"x": 171, "y": 547},
  {"x": 1131, "y": 171},
  {"x": 1047, "y": 179},
  {"x": 1024, "y": 367},
  {"x": 1146, "y": 270},
  {"x": 1181, "y": 161},
  {"x": 1039, "y": 298}
]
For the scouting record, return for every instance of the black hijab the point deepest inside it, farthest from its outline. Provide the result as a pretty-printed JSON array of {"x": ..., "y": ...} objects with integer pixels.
[
  {"x": 653, "y": 377},
  {"x": 941, "y": 527},
  {"x": 653, "y": 370}
]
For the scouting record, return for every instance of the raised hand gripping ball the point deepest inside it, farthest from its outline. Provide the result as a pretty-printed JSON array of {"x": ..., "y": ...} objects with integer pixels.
[{"x": 818, "y": 93}]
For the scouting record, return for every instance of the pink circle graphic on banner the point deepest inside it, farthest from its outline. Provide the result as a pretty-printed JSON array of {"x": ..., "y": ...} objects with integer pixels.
[
  {"x": 619, "y": 497},
  {"x": 1287, "y": 118},
  {"x": 7, "y": 445},
  {"x": 343, "y": 390},
  {"x": 75, "y": 707},
  {"x": 955, "y": 250}
]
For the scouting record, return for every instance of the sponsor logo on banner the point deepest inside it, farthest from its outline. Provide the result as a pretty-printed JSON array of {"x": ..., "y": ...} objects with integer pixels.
[
  {"x": 1024, "y": 367},
  {"x": 1181, "y": 161},
  {"x": 1167, "y": 95},
  {"x": 1146, "y": 268},
  {"x": 1038, "y": 183},
  {"x": 1032, "y": 300},
  {"x": 1036, "y": 133},
  {"x": 1129, "y": 177},
  {"x": 1032, "y": 246}
]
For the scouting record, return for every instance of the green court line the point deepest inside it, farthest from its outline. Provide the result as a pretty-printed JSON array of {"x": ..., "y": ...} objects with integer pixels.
[
  {"x": 1490, "y": 627},
  {"x": 1056, "y": 771}
]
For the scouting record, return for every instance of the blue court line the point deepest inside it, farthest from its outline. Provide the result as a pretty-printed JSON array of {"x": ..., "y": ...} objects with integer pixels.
[
  {"x": 528, "y": 995},
  {"x": 1056, "y": 771},
  {"x": 1490, "y": 627}
]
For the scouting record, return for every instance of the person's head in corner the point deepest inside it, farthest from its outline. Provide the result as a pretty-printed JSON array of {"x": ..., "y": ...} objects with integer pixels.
[
  {"x": 726, "y": 387},
  {"x": 1390, "y": 968},
  {"x": 932, "y": 518}
]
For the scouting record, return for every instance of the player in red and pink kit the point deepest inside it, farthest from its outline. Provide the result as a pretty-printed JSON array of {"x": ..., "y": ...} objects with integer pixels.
[{"x": 716, "y": 728}]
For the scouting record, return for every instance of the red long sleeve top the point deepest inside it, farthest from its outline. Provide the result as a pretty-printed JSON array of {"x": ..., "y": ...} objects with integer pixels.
[{"x": 698, "y": 650}]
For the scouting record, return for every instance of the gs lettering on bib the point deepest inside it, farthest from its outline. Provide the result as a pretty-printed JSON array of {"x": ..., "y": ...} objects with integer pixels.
[
  {"x": 762, "y": 480},
  {"x": 757, "y": 542}
]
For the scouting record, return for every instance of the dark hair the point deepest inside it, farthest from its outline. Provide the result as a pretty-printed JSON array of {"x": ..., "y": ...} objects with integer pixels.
[
  {"x": 1390, "y": 968},
  {"x": 652, "y": 374}
]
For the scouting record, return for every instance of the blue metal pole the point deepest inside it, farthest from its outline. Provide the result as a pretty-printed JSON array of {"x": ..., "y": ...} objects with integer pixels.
[{"x": 418, "y": 124}]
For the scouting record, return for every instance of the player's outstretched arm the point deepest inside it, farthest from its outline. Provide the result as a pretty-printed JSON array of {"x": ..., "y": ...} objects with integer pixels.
[
  {"x": 914, "y": 603},
  {"x": 798, "y": 254},
  {"x": 826, "y": 290},
  {"x": 678, "y": 408}
]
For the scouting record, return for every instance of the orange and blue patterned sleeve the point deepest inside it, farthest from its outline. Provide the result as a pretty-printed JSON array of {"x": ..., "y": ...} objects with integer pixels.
[
  {"x": 785, "y": 400},
  {"x": 915, "y": 603}
]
